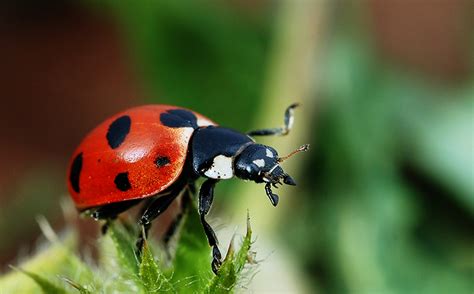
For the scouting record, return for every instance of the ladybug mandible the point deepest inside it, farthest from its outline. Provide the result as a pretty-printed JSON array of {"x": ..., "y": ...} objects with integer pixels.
[{"x": 154, "y": 153}]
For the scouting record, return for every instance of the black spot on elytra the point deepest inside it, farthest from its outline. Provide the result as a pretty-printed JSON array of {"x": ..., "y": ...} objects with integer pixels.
[
  {"x": 118, "y": 131},
  {"x": 75, "y": 174},
  {"x": 121, "y": 182},
  {"x": 162, "y": 161},
  {"x": 179, "y": 118}
]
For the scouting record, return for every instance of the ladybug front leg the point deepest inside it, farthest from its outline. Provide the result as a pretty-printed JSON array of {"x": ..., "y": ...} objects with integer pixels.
[
  {"x": 289, "y": 118},
  {"x": 206, "y": 196},
  {"x": 152, "y": 211}
]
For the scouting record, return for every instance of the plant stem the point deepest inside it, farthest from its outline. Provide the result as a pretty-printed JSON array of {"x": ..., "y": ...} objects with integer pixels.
[{"x": 290, "y": 78}]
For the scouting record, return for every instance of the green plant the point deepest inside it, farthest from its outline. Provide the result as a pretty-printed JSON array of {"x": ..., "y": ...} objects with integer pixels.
[{"x": 58, "y": 269}]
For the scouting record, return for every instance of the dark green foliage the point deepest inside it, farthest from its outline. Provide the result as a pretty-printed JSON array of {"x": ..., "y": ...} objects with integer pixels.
[
  {"x": 193, "y": 256},
  {"x": 200, "y": 54}
]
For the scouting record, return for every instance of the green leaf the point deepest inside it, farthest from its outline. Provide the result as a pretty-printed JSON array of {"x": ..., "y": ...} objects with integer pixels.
[
  {"x": 82, "y": 289},
  {"x": 231, "y": 268},
  {"x": 227, "y": 277},
  {"x": 125, "y": 248},
  {"x": 151, "y": 276},
  {"x": 192, "y": 262},
  {"x": 82, "y": 273},
  {"x": 45, "y": 285},
  {"x": 243, "y": 254}
]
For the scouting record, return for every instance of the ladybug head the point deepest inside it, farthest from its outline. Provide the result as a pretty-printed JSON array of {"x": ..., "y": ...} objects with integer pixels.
[{"x": 261, "y": 164}]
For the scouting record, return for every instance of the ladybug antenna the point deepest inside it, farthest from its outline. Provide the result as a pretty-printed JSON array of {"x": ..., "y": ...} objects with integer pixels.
[{"x": 302, "y": 148}]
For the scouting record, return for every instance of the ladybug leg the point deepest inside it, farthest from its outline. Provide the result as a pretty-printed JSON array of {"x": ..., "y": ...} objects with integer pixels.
[
  {"x": 171, "y": 230},
  {"x": 109, "y": 212},
  {"x": 152, "y": 211},
  {"x": 289, "y": 118},
  {"x": 206, "y": 196},
  {"x": 175, "y": 224},
  {"x": 273, "y": 197}
]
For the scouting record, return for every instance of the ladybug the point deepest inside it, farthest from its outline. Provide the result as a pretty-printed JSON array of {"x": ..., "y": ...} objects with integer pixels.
[{"x": 154, "y": 153}]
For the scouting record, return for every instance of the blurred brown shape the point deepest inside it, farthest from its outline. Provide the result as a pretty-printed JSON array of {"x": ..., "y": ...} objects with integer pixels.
[
  {"x": 63, "y": 70},
  {"x": 61, "y": 73},
  {"x": 431, "y": 36}
]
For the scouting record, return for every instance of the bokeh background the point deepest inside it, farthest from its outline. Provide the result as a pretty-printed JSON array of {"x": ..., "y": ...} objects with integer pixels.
[{"x": 385, "y": 197}]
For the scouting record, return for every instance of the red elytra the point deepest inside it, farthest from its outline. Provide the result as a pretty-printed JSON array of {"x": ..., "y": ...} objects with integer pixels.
[{"x": 106, "y": 168}]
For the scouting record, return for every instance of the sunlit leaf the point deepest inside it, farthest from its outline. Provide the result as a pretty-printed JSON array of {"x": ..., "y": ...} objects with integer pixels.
[
  {"x": 226, "y": 278},
  {"x": 46, "y": 286},
  {"x": 82, "y": 289},
  {"x": 124, "y": 246},
  {"x": 232, "y": 267},
  {"x": 150, "y": 274},
  {"x": 243, "y": 255}
]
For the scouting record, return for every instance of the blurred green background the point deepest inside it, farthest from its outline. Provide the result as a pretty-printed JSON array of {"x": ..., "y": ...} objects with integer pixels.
[{"x": 385, "y": 197}]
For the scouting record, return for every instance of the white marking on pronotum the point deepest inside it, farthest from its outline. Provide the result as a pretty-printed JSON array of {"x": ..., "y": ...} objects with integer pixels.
[
  {"x": 259, "y": 162},
  {"x": 269, "y": 153},
  {"x": 221, "y": 168}
]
